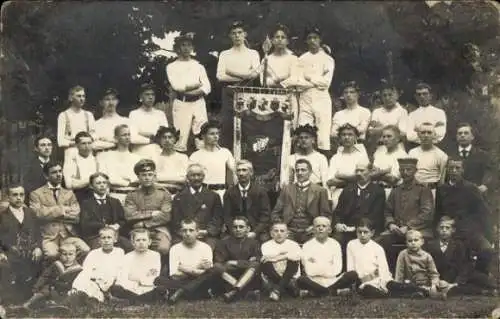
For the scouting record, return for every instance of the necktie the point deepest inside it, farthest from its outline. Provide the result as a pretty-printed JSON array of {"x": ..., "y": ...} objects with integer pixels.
[
  {"x": 101, "y": 201},
  {"x": 465, "y": 153},
  {"x": 244, "y": 201},
  {"x": 54, "y": 192}
]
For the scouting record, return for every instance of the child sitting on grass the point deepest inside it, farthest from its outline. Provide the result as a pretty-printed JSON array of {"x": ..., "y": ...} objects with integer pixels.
[{"x": 368, "y": 260}]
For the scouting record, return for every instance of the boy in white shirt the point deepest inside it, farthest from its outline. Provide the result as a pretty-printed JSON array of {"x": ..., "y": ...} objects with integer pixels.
[
  {"x": 367, "y": 259},
  {"x": 140, "y": 268},
  {"x": 190, "y": 266},
  {"x": 101, "y": 266},
  {"x": 280, "y": 262},
  {"x": 322, "y": 261}
]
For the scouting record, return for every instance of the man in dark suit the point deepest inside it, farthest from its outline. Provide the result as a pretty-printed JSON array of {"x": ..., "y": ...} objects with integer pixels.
[
  {"x": 20, "y": 245},
  {"x": 102, "y": 210},
  {"x": 461, "y": 200},
  {"x": 199, "y": 203},
  {"x": 33, "y": 177},
  {"x": 362, "y": 199},
  {"x": 477, "y": 163},
  {"x": 299, "y": 203},
  {"x": 248, "y": 199}
]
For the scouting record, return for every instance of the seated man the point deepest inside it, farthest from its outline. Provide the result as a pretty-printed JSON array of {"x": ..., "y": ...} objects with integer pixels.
[
  {"x": 248, "y": 199},
  {"x": 199, "y": 203},
  {"x": 101, "y": 266},
  {"x": 461, "y": 200},
  {"x": 55, "y": 282},
  {"x": 237, "y": 257},
  {"x": 191, "y": 266},
  {"x": 322, "y": 261},
  {"x": 149, "y": 207},
  {"x": 280, "y": 262},
  {"x": 79, "y": 166},
  {"x": 453, "y": 263},
  {"x": 140, "y": 267},
  {"x": 33, "y": 177},
  {"x": 299, "y": 203},
  {"x": 102, "y": 210},
  {"x": 431, "y": 165},
  {"x": 364, "y": 199},
  {"x": 59, "y": 213},
  {"x": 409, "y": 206},
  {"x": 20, "y": 245},
  {"x": 119, "y": 165}
]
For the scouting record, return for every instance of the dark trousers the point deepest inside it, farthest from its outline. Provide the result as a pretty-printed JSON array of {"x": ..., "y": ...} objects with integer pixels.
[
  {"x": 344, "y": 238},
  {"x": 194, "y": 287},
  {"x": 17, "y": 277},
  {"x": 476, "y": 283},
  {"x": 148, "y": 297},
  {"x": 400, "y": 289},
  {"x": 227, "y": 118},
  {"x": 478, "y": 246},
  {"x": 346, "y": 280},
  {"x": 279, "y": 282},
  {"x": 372, "y": 292},
  {"x": 393, "y": 244}
]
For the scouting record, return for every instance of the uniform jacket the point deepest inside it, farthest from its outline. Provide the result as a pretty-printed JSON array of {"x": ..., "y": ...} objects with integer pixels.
[
  {"x": 51, "y": 213},
  {"x": 317, "y": 203},
  {"x": 370, "y": 204},
  {"x": 205, "y": 208},
  {"x": 453, "y": 264},
  {"x": 91, "y": 220},
  {"x": 14, "y": 234},
  {"x": 258, "y": 207}
]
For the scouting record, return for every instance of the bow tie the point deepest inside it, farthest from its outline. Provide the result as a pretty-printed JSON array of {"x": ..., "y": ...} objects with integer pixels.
[{"x": 303, "y": 186}]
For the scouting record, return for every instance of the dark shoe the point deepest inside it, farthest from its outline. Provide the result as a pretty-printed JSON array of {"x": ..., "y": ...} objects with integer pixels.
[
  {"x": 175, "y": 297},
  {"x": 253, "y": 295},
  {"x": 57, "y": 309},
  {"x": 294, "y": 288},
  {"x": 115, "y": 301},
  {"x": 230, "y": 296}
]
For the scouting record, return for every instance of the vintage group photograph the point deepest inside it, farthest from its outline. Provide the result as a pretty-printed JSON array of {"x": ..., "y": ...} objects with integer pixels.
[{"x": 250, "y": 159}]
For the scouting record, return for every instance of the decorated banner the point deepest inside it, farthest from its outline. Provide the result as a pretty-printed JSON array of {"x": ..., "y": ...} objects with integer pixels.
[{"x": 262, "y": 127}]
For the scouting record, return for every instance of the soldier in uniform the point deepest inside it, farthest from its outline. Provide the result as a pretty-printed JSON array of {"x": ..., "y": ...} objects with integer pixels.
[{"x": 149, "y": 207}]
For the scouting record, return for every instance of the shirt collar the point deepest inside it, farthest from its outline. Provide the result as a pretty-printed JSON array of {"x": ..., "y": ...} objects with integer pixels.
[
  {"x": 58, "y": 187},
  {"x": 468, "y": 148},
  {"x": 304, "y": 184},
  {"x": 16, "y": 210},
  {"x": 364, "y": 186},
  {"x": 43, "y": 160},
  {"x": 99, "y": 197},
  {"x": 193, "y": 191},
  {"x": 244, "y": 188}
]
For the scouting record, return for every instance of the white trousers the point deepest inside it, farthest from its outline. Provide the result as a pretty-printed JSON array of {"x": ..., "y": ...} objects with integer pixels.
[
  {"x": 187, "y": 117},
  {"x": 316, "y": 109}
]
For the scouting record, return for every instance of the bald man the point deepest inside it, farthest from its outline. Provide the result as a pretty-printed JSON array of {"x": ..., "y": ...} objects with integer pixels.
[{"x": 200, "y": 204}]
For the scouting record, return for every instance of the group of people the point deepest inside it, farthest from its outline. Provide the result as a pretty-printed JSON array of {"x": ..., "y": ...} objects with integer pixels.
[{"x": 128, "y": 216}]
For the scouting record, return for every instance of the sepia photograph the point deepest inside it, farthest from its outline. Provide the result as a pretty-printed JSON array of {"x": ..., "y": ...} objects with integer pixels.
[{"x": 250, "y": 159}]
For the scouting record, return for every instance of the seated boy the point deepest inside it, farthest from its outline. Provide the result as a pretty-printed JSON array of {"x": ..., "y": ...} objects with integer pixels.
[
  {"x": 454, "y": 264},
  {"x": 280, "y": 262},
  {"x": 368, "y": 260},
  {"x": 322, "y": 261},
  {"x": 139, "y": 269},
  {"x": 191, "y": 266},
  {"x": 101, "y": 266},
  {"x": 416, "y": 273},
  {"x": 237, "y": 258},
  {"x": 56, "y": 280}
]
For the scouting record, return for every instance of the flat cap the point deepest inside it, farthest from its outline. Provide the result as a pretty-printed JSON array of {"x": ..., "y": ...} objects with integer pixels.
[
  {"x": 144, "y": 165},
  {"x": 407, "y": 161}
]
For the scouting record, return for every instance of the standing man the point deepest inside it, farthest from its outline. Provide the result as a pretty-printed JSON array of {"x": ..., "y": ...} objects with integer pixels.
[
  {"x": 315, "y": 103},
  {"x": 150, "y": 207},
  {"x": 105, "y": 126},
  {"x": 78, "y": 167},
  {"x": 218, "y": 161},
  {"x": 74, "y": 120},
  {"x": 190, "y": 83},
  {"x": 299, "y": 203},
  {"x": 20, "y": 245},
  {"x": 199, "y": 203},
  {"x": 425, "y": 113},
  {"x": 477, "y": 163},
  {"x": 409, "y": 206},
  {"x": 146, "y": 118},
  {"x": 119, "y": 165},
  {"x": 248, "y": 199},
  {"x": 307, "y": 136},
  {"x": 237, "y": 66},
  {"x": 33, "y": 177},
  {"x": 58, "y": 211}
]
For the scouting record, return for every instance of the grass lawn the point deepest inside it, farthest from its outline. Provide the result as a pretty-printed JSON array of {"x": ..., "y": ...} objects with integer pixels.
[{"x": 330, "y": 307}]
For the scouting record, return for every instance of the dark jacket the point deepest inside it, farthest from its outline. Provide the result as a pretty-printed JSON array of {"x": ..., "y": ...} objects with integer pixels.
[
  {"x": 258, "y": 207},
  {"x": 93, "y": 217},
  {"x": 17, "y": 238},
  {"x": 370, "y": 204},
  {"x": 33, "y": 177},
  {"x": 453, "y": 264},
  {"x": 477, "y": 166},
  {"x": 241, "y": 250}
]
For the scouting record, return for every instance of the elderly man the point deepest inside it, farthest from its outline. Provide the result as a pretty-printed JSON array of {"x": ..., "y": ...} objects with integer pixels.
[
  {"x": 190, "y": 84},
  {"x": 248, "y": 199},
  {"x": 20, "y": 245},
  {"x": 299, "y": 203},
  {"x": 199, "y": 203},
  {"x": 150, "y": 207}
]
